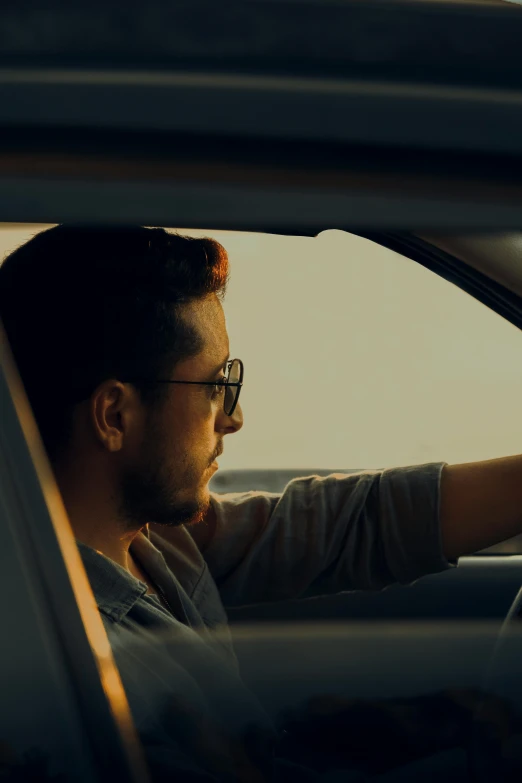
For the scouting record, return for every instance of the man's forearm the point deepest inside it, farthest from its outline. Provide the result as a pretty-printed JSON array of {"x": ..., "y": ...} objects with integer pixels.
[{"x": 481, "y": 504}]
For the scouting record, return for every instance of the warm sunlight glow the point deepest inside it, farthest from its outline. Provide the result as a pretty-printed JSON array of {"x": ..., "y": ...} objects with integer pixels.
[{"x": 356, "y": 357}]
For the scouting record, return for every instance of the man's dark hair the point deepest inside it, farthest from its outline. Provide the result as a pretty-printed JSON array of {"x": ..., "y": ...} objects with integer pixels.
[{"x": 81, "y": 305}]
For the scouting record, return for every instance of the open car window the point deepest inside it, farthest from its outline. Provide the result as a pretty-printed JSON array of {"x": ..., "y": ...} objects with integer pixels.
[
  {"x": 356, "y": 358},
  {"x": 359, "y": 358}
]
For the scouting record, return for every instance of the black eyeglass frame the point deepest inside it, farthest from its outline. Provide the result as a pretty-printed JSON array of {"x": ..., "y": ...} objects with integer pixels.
[{"x": 238, "y": 385}]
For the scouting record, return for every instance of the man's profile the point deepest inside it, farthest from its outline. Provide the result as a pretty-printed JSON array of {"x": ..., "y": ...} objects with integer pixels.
[{"x": 120, "y": 338}]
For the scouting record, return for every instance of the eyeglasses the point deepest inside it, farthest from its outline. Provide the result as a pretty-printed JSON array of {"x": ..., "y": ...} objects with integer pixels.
[{"x": 232, "y": 382}]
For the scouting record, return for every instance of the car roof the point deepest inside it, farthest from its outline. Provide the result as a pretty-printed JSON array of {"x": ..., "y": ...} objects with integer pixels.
[
  {"x": 378, "y": 114},
  {"x": 362, "y": 114}
]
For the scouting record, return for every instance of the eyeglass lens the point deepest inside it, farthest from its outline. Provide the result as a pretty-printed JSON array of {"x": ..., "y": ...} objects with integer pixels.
[{"x": 232, "y": 392}]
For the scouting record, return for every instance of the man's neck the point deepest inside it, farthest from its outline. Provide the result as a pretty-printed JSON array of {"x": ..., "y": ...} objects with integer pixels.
[
  {"x": 96, "y": 526},
  {"x": 116, "y": 550},
  {"x": 92, "y": 507}
]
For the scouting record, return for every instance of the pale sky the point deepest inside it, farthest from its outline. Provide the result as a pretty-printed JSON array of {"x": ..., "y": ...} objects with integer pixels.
[{"x": 358, "y": 358}]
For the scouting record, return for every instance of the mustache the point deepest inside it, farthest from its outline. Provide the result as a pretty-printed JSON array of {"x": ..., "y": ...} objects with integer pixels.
[{"x": 217, "y": 453}]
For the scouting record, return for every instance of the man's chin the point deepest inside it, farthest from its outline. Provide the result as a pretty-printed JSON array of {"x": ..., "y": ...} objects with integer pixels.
[
  {"x": 189, "y": 512},
  {"x": 203, "y": 505}
]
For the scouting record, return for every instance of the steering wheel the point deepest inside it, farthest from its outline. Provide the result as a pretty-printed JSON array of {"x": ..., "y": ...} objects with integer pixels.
[{"x": 495, "y": 748}]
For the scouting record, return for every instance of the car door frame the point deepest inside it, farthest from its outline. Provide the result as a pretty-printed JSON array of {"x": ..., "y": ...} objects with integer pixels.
[{"x": 68, "y": 706}]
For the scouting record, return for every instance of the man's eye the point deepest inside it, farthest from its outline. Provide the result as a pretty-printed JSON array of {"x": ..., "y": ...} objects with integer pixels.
[{"x": 218, "y": 388}]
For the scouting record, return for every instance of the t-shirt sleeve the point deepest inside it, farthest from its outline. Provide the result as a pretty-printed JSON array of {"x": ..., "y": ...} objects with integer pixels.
[{"x": 326, "y": 535}]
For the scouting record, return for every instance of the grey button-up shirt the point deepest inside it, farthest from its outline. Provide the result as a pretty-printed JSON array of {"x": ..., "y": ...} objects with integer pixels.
[{"x": 321, "y": 535}]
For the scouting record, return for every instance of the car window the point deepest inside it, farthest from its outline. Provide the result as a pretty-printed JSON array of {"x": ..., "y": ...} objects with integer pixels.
[{"x": 356, "y": 358}]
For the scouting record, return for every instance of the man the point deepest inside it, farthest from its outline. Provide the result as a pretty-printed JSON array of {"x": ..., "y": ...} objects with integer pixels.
[{"x": 120, "y": 339}]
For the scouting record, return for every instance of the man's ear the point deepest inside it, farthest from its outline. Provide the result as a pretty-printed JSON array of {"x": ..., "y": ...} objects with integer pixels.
[{"x": 113, "y": 410}]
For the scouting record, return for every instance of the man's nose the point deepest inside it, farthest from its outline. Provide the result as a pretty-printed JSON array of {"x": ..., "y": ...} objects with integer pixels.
[{"x": 234, "y": 422}]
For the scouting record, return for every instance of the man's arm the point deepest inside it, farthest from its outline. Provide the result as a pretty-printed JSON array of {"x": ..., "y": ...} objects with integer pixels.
[
  {"x": 325, "y": 535},
  {"x": 481, "y": 504},
  {"x": 358, "y": 531}
]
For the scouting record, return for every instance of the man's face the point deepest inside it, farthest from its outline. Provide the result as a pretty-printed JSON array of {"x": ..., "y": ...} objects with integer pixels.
[{"x": 165, "y": 477}]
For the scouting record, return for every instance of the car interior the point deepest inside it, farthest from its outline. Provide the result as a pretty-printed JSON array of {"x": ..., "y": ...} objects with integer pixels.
[
  {"x": 397, "y": 124},
  {"x": 442, "y": 631}
]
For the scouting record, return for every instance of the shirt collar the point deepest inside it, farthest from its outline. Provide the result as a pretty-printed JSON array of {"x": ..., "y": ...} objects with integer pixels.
[{"x": 115, "y": 590}]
